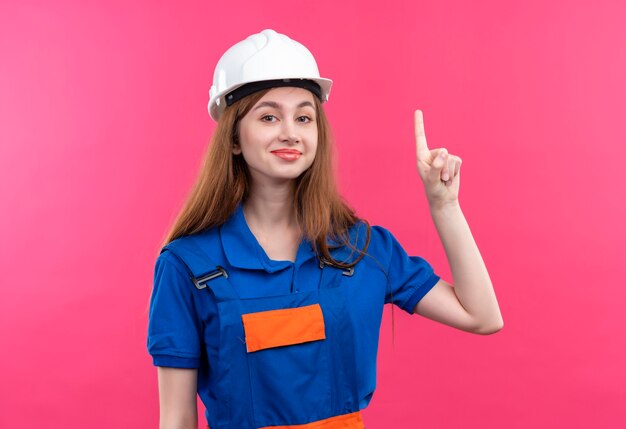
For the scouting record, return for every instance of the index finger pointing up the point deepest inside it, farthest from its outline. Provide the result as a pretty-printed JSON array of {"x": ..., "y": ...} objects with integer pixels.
[{"x": 420, "y": 136}]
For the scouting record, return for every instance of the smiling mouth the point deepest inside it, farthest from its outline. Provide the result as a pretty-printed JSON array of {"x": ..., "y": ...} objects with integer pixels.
[{"x": 287, "y": 154}]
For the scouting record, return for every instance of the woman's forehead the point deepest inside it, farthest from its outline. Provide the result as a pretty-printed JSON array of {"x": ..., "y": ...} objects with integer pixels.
[{"x": 287, "y": 96}]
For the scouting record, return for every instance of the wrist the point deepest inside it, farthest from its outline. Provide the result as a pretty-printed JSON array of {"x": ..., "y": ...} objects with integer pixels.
[{"x": 445, "y": 208}]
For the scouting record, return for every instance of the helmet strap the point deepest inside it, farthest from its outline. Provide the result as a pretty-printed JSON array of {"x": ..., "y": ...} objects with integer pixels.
[{"x": 252, "y": 87}]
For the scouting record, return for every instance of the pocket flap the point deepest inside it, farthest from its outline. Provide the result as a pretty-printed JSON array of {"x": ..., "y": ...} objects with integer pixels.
[{"x": 284, "y": 327}]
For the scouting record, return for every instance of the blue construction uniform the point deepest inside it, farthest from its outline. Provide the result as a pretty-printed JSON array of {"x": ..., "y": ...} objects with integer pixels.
[{"x": 332, "y": 373}]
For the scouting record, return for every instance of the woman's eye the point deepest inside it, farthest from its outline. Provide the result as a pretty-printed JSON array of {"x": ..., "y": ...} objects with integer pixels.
[
  {"x": 304, "y": 119},
  {"x": 269, "y": 118}
]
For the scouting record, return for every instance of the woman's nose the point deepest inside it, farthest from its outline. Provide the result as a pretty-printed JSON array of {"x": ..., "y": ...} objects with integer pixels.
[{"x": 289, "y": 132}]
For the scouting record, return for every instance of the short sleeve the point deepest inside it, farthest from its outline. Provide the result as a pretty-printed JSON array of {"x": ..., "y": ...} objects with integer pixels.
[
  {"x": 410, "y": 277},
  {"x": 174, "y": 328}
]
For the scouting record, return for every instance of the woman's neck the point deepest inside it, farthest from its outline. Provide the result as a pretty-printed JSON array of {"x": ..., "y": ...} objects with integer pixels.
[
  {"x": 271, "y": 207},
  {"x": 270, "y": 216}
]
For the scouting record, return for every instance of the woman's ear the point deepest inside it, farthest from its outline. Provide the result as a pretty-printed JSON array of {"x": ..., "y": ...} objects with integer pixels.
[
  {"x": 236, "y": 149},
  {"x": 236, "y": 146}
]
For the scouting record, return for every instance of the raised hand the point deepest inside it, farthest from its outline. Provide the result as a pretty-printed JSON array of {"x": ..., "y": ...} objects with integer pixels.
[{"x": 439, "y": 171}]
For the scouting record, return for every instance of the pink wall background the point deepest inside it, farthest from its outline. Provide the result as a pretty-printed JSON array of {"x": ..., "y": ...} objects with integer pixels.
[{"x": 103, "y": 124}]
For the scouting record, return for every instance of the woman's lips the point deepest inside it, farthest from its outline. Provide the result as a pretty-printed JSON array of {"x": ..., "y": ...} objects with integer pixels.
[{"x": 287, "y": 154}]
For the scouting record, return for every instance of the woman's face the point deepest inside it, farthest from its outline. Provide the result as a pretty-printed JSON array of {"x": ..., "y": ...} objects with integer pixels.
[{"x": 278, "y": 136}]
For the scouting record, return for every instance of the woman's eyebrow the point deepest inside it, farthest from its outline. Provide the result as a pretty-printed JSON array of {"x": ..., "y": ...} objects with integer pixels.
[{"x": 276, "y": 105}]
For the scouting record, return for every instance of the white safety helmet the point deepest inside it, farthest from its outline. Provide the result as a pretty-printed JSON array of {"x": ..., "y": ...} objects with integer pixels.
[{"x": 264, "y": 60}]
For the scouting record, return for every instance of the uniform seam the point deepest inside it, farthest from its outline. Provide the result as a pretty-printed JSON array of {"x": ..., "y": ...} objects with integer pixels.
[
  {"x": 424, "y": 287},
  {"x": 176, "y": 356}
]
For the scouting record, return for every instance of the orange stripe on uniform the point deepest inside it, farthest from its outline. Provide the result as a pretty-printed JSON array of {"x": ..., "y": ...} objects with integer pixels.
[
  {"x": 276, "y": 328},
  {"x": 345, "y": 421}
]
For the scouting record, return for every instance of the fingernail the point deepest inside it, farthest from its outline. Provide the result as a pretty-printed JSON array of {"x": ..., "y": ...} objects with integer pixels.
[{"x": 445, "y": 177}]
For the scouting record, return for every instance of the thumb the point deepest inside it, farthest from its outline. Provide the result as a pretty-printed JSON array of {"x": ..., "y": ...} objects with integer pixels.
[{"x": 440, "y": 161}]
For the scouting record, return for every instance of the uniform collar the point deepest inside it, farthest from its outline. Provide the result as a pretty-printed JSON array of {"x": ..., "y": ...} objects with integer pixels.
[{"x": 244, "y": 251}]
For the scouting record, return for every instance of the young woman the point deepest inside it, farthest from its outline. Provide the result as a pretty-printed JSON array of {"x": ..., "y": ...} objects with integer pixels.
[{"x": 269, "y": 292}]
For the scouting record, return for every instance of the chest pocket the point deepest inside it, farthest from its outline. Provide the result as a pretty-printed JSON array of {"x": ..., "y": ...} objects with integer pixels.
[{"x": 275, "y": 328}]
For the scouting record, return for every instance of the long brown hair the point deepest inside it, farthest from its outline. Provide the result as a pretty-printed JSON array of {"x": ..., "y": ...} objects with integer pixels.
[{"x": 224, "y": 182}]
